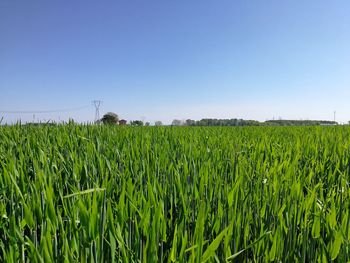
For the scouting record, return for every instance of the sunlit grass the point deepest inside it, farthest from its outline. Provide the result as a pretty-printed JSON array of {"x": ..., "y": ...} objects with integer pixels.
[{"x": 174, "y": 194}]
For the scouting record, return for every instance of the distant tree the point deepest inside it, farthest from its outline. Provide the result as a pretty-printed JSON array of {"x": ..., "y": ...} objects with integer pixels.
[
  {"x": 110, "y": 118},
  {"x": 298, "y": 122},
  {"x": 176, "y": 122},
  {"x": 136, "y": 123},
  {"x": 147, "y": 123},
  {"x": 158, "y": 123},
  {"x": 190, "y": 122}
]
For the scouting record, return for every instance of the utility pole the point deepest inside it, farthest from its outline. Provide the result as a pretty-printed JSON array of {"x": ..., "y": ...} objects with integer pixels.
[
  {"x": 334, "y": 115},
  {"x": 97, "y": 104}
]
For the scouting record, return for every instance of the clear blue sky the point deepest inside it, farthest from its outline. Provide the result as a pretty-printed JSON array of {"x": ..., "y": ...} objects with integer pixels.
[{"x": 162, "y": 59}]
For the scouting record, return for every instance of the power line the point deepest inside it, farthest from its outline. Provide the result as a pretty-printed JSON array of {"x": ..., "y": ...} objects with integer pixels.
[{"x": 43, "y": 111}]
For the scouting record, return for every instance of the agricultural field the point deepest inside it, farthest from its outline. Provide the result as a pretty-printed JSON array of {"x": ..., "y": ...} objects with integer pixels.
[{"x": 75, "y": 193}]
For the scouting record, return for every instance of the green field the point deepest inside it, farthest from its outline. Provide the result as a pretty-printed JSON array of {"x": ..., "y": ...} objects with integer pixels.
[{"x": 174, "y": 194}]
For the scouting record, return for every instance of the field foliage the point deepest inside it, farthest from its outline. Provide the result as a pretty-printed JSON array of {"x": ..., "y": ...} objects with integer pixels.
[{"x": 76, "y": 193}]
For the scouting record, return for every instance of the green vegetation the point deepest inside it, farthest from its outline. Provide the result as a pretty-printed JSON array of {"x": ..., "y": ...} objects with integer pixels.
[
  {"x": 241, "y": 122},
  {"x": 110, "y": 118},
  {"x": 174, "y": 194},
  {"x": 137, "y": 123}
]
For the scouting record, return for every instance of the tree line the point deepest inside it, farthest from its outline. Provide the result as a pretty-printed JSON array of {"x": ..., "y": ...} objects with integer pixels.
[
  {"x": 242, "y": 122},
  {"x": 112, "y": 118}
]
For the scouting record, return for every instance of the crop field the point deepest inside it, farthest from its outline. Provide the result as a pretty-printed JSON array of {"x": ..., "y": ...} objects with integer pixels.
[{"x": 75, "y": 193}]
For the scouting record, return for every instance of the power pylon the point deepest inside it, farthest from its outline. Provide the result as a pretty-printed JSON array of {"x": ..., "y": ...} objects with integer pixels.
[{"x": 97, "y": 104}]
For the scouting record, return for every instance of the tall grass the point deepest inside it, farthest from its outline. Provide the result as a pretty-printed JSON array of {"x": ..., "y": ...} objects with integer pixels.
[{"x": 174, "y": 194}]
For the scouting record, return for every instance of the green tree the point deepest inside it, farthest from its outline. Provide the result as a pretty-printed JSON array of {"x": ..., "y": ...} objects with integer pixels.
[
  {"x": 176, "y": 122},
  {"x": 158, "y": 123},
  {"x": 190, "y": 122},
  {"x": 136, "y": 123},
  {"x": 110, "y": 118}
]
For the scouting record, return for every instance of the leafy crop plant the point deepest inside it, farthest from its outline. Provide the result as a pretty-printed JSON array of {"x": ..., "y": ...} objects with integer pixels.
[{"x": 79, "y": 193}]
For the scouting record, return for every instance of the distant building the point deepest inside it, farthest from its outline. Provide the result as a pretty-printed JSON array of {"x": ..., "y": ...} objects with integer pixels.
[{"x": 122, "y": 122}]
